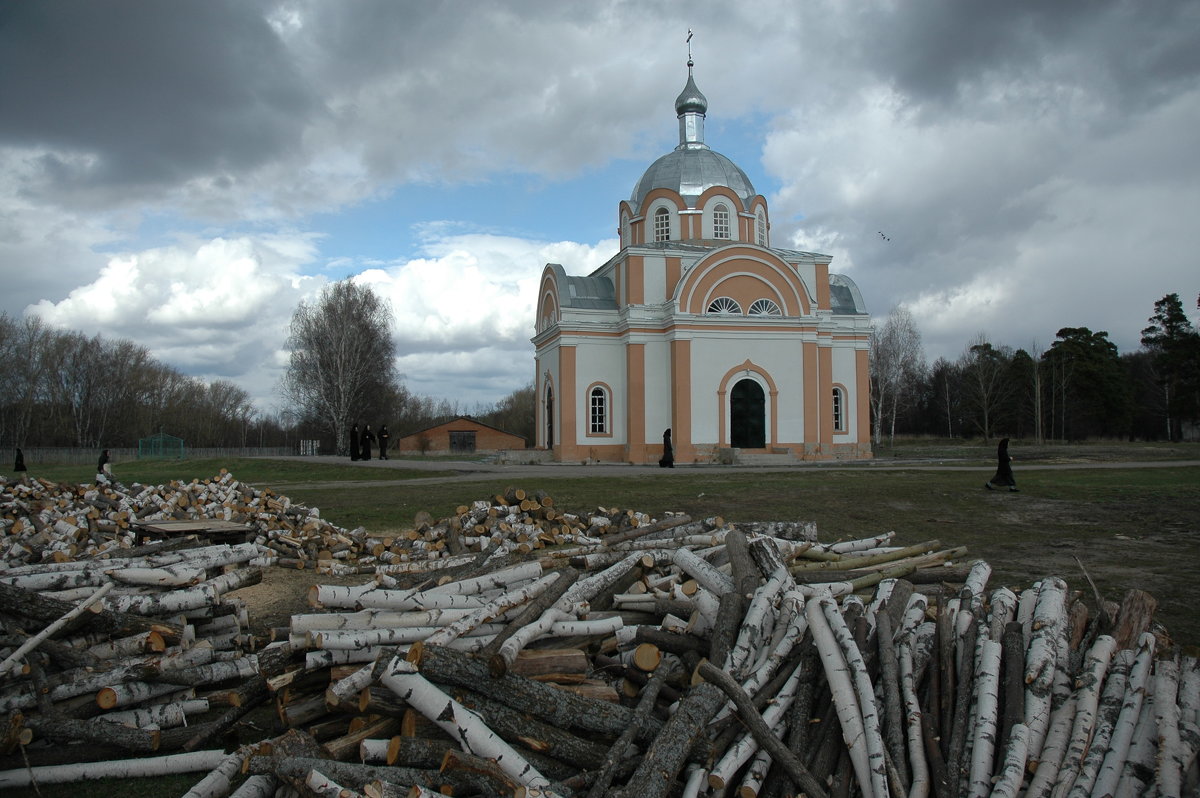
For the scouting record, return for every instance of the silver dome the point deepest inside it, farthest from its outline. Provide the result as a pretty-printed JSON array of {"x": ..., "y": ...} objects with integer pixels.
[{"x": 690, "y": 172}]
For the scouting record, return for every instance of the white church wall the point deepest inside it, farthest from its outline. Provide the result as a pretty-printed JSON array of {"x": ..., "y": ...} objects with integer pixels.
[
  {"x": 713, "y": 357},
  {"x": 600, "y": 361},
  {"x": 655, "y": 280},
  {"x": 845, "y": 372},
  {"x": 658, "y": 389}
]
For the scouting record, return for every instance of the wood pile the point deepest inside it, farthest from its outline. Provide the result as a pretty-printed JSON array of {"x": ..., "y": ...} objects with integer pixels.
[{"x": 513, "y": 649}]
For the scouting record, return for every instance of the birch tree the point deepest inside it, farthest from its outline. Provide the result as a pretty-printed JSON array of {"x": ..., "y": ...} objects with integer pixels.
[
  {"x": 897, "y": 364},
  {"x": 342, "y": 355}
]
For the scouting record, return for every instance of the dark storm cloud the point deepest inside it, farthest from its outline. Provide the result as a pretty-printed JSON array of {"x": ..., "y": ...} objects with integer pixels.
[
  {"x": 145, "y": 95},
  {"x": 943, "y": 51}
]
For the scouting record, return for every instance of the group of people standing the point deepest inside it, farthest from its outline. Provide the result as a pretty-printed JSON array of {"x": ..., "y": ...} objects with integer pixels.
[{"x": 361, "y": 443}]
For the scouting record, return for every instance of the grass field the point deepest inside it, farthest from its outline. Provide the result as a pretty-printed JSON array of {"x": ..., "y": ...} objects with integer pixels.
[{"x": 1130, "y": 526}]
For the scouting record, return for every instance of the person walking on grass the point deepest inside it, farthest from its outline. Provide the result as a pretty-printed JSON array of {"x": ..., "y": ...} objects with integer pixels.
[{"x": 1004, "y": 473}]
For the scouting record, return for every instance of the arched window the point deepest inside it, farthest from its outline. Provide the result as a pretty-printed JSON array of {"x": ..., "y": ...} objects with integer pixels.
[
  {"x": 598, "y": 411},
  {"x": 764, "y": 307},
  {"x": 724, "y": 306},
  {"x": 839, "y": 410},
  {"x": 625, "y": 229},
  {"x": 720, "y": 222},
  {"x": 760, "y": 228},
  {"x": 662, "y": 225}
]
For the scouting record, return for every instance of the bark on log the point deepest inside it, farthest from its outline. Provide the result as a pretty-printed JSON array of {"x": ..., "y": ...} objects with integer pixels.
[{"x": 667, "y": 754}]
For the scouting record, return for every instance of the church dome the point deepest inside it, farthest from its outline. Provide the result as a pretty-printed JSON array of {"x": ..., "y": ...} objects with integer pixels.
[
  {"x": 690, "y": 99},
  {"x": 690, "y": 172},
  {"x": 692, "y": 168}
]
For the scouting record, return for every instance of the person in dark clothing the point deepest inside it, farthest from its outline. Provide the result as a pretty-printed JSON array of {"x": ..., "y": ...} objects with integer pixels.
[
  {"x": 367, "y": 439},
  {"x": 668, "y": 455},
  {"x": 19, "y": 467},
  {"x": 103, "y": 472},
  {"x": 1004, "y": 473},
  {"x": 383, "y": 442},
  {"x": 354, "y": 442}
]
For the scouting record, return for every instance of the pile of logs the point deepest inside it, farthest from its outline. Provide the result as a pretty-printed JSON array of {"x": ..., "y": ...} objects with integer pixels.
[{"x": 604, "y": 653}]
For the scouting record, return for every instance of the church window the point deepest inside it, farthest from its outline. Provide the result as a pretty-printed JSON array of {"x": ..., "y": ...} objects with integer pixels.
[
  {"x": 839, "y": 410},
  {"x": 724, "y": 306},
  {"x": 598, "y": 411},
  {"x": 760, "y": 228},
  {"x": 764, "y": 307},
  {"x": 720, "y": 222},
  {"x": 662, "y": 225},
  {"x": 624, "y": 229}
]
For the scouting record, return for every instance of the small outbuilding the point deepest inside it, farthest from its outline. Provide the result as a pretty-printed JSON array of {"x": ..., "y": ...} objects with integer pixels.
[{"x": 461, "y": 435}]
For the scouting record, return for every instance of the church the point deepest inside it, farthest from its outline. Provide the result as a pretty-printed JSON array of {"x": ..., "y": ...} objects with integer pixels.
[{"x": 744, "y": 351}]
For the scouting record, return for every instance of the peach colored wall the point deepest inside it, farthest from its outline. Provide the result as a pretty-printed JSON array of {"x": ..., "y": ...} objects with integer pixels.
[{"x": 486, "y": 438}]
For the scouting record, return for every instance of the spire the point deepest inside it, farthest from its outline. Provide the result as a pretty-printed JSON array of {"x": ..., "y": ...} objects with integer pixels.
[{"x": 690, "y": 107}]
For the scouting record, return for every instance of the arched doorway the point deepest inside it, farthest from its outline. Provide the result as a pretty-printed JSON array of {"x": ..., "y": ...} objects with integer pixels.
[
  {"x": 747, "y": 416},
  {"x": 549, "y": 417}
]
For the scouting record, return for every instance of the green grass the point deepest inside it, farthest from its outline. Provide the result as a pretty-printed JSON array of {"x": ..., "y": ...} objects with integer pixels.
[
  {"x": 1130, "y": 527},
  {"x": 253, "y": 470}
]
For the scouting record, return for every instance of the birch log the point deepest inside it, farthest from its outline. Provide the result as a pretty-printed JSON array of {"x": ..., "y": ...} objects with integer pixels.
[
  {"x": 463, "y": 725},
  {"x": 10, "y": 662}
]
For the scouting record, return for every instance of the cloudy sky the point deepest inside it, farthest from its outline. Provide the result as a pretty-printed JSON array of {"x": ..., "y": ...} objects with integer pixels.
[{"x": 183, "y": 174}]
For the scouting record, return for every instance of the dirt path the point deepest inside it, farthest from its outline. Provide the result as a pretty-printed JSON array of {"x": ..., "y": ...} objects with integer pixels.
[{"x": 470, "y": 471}]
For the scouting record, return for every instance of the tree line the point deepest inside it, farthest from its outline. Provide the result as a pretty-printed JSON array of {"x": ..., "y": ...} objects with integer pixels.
[
  {"x": 66, "y": 389},
  {"x": 1077, "y": 388}
]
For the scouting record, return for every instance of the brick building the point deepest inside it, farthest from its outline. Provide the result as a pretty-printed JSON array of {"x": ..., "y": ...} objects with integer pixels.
[{"x": 462, "y": 435}]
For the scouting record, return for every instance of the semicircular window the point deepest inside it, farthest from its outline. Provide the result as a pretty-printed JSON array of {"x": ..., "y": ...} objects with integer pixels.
[
  {"x": 764, "y": 307},
  {"x": 724, "y": 306}
]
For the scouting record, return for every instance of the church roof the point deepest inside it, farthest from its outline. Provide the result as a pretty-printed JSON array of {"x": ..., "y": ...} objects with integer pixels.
[
  {"x": 844, "y": 297},
  {"x": 690, "y": 172},
  {"x": 692, "y": 168}
]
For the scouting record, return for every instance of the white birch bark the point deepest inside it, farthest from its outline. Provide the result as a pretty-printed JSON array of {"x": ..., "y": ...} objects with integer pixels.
[
  {"x": 262, "y": 785},
  {"x": 1131, "y": 710},
  {"x": 1168, "y": 761},
  {"x": 1087, "y": 697},
  {"x": 703, "y": 572},
  {"x": 402, "y": 678},
  {"x": 987, "y": 711},
  {"x": 746, "y": 746},
  {"x": 1049, "y": 614},
  {"x": 29, "y": 645},
  {"x": 118, "y": 769},
  {"x": 167, "y": 576},
  {"x": 359, "y": 638},
  {"x": 756, "y": 626},
  {"x": 374, "y": 619},
  {"x": 219, "y": 781},
  {"x": 338, "y": 596},
  {"x": 417, "y": 600},
  {"x": 503, "y": 579},
  {"x": 845, "y": 701},
  {"x": 324, "y": 787},
  {"x": 918, "y": 765},
  {"x": 1008, "y": 782},
  {"x": 493, "y": 610},
  {"x": 756, "y": 774},
  {"x": 1003, "y": 611},
  {"x": 1048, "y": 759},
  {"x": 859, "y": 544},
  {"x": 1106, "y": 718},
  {"x": 1141, "y": 750}
]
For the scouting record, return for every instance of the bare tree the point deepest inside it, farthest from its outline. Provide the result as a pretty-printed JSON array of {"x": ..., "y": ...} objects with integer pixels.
[
  {"x": 985, "y": 380},
  {"x": 341, "y": 352},
  {"x": 897, "y": 365}
]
